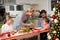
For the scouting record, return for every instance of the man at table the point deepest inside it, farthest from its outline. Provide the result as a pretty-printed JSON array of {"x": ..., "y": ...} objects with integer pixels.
[{"x": 44, "y": 30}]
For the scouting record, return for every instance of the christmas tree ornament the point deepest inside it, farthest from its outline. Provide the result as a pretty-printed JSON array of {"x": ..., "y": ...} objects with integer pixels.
[
  {"x": 52, "y": 28},
  {"x": 57, "y": 1},
  {"x": 49, "y": 37},
  {"x": 54, "y": 31},
  {"x": 58, "y": 14},
  {"x": 53, "y": 16},
  {"x": 54, "y": 9},
  {"x": 57, "y": 38},
  {"x": 54, "y": 38},
  {"x": 59, "y": 29},
  {"x": 57, "y": 35},
  {"x": 52, "y": 19},
  {"x": 59, "y": 18},
  {"x": 58, "y": 32},
  {"x": 56, "y": 21},
  {"x": 59, "y": 6}
]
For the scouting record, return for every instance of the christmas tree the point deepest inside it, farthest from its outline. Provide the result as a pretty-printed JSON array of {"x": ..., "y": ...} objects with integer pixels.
[{"x": 55, "y": 23}]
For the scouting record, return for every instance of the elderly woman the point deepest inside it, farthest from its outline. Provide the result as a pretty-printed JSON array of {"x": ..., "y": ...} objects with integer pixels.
[
  {"x": 23, "y": 19},
  {"x": 26, "y": 17},
  {"x": 44, "y": 30}
]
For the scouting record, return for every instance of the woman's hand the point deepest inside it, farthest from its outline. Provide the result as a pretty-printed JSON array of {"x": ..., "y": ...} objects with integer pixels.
[{"x": 31, "y": 24}]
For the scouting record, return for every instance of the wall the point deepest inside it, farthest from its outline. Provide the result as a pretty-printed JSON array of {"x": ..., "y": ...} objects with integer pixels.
[
  {"x": 26, "y": 1},
  {"x": 34, "y": 6},
  {"x": 26, "y": 6},
  {"x": 37, "y": 4},
  {"x": 45, "y": 4}
]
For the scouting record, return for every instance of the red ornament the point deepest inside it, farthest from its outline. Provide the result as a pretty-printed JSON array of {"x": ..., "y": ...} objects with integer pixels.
[
  {"x": 53, "y": 16},
  {"x": 58, "y": 5},
  {"x": 54, "y": 38},
  {"x": 1, "y": 35}
]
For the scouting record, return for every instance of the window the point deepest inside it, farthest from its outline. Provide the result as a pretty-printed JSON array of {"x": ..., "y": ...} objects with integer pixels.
[
  {"x": 19, "y": 7},
  {"x": 1, "y": 1},
  {"x": 11, "y": 8}
]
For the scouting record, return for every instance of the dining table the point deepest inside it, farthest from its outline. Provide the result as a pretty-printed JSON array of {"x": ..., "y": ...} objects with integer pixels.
[{"x": 22, "y": 36}]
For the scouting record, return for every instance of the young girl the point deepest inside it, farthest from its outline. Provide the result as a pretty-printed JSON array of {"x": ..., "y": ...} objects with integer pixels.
[
  {"x": 7, "y": 27},
  {"x": 46, "y": 25}
]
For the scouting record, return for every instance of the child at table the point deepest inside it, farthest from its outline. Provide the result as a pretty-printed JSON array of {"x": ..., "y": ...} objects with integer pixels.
[
  {"x": 46, "y": 25},
  {"x": 45, "y": 29},
  {"x": 7, "y": 26}
]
